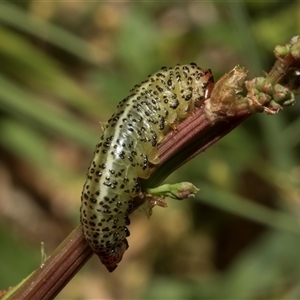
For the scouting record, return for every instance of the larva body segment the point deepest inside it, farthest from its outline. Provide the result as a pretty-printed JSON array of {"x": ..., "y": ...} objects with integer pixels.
[{"x": 128, "y": 147}]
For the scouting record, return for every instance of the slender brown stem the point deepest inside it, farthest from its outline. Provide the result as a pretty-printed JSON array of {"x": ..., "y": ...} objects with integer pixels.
[{"x": 49, "y": 279}]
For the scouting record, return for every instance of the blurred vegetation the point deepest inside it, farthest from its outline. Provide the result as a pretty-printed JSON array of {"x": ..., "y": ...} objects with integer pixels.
[{"x": 64, "y": 67}]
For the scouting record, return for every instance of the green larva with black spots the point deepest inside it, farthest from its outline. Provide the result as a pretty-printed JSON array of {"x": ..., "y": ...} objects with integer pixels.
[{"x": 128, "y": 147}]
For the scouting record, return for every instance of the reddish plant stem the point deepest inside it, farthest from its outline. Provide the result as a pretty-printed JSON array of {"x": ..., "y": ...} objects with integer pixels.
[
  {"x": 194, "y": 135},
  {"x": 48, "y": 280}
]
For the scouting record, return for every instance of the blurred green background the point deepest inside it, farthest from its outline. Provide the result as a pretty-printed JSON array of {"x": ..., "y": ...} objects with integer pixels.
[{"x": 65, "y": 65}]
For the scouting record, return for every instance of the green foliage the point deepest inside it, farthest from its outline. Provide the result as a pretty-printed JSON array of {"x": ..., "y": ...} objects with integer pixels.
[{"x": 63, "y": 72}]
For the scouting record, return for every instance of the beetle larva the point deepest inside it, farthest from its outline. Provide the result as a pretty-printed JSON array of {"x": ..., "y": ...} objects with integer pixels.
[{"x": 127, "y": 148}]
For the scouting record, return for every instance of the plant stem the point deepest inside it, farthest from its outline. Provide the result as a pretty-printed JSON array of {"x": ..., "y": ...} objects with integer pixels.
[{"x": 48, "y": 280}]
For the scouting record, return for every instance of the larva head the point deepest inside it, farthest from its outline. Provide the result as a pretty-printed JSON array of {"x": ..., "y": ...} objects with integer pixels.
[{"x": 111, "y": 257}]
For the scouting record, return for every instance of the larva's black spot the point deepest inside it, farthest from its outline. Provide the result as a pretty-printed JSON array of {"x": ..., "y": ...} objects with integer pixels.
[
  {"x": 126, "y": 220},
  {"x": 125, "y": 150},
  {"x": 187, "y": 97},
  {"x": 93, "y": 217},
  {"x": 107, "y": 183},
  {"x": 159, "y": 88},
  {"x": 175, "y": 103},
  {"x": 122, "y": 154},
  {"x": 93, "y": 200},
  {"x": 127, "y": 232},
  {"x": 160, "y": 75},
  {"x": 186, "y": 69}
]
